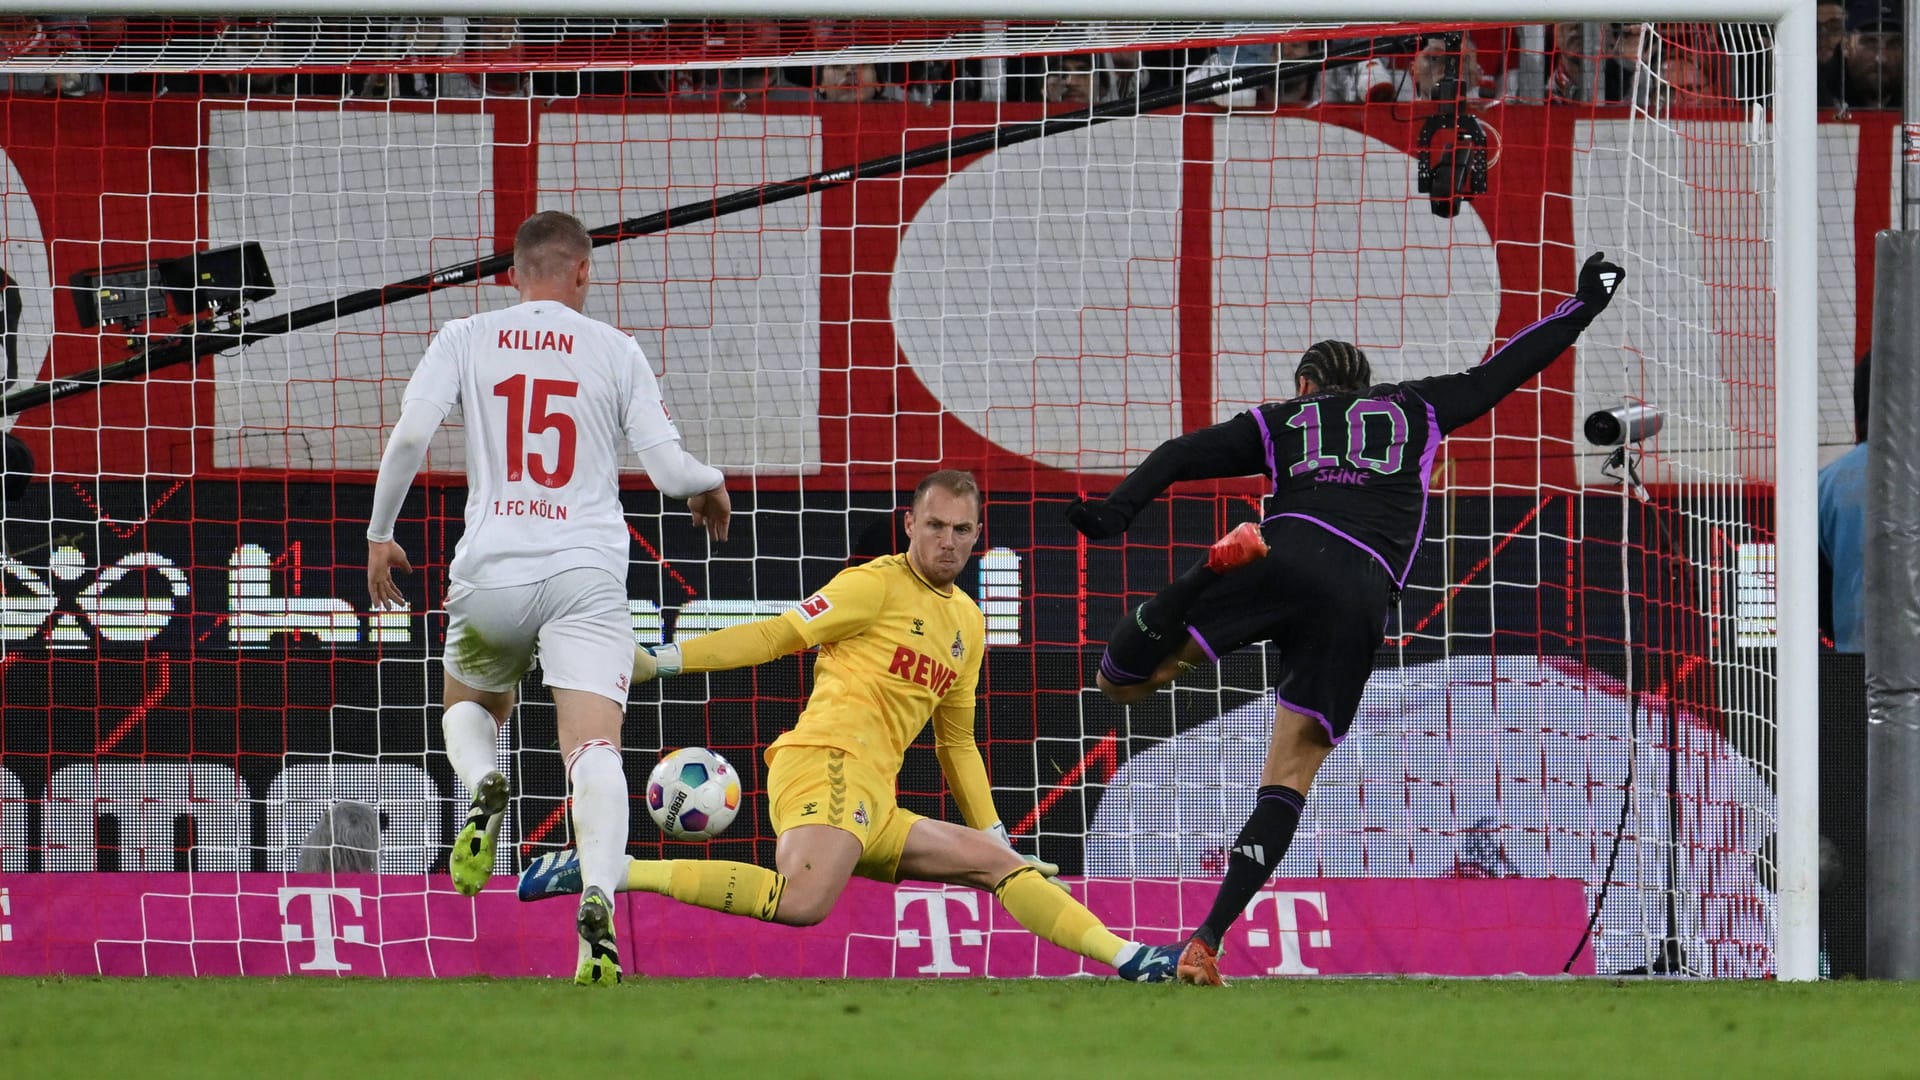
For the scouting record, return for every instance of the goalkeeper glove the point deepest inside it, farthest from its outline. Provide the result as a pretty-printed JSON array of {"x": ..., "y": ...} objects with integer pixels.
[
  {"x": 1050, "y": 871},
  {"x": 1598, "y": 279},
  {"x": 652, "y": 662},
  {"x": 1096, "y": 520}
]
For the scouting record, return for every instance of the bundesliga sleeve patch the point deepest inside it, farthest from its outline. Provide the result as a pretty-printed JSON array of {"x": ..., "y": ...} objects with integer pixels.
[{"x": 814, "y": 606}]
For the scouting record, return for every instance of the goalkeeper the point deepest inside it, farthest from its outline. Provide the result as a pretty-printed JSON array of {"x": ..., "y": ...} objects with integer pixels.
[
  {"x": 898, "y": 644},
  {"x": 1349, "y": 462}
]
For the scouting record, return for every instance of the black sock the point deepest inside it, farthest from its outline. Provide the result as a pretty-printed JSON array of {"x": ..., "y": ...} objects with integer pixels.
[
  {"x": 1261, "y": 845},
  {"x": 1167, "y": 612},
  {"x": 1151, "y": 632}
]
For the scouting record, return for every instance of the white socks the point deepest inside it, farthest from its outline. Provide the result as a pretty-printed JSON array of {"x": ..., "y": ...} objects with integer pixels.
[
  {"x": 599, "y": 813},
  {"x": 470, "y": 733}
]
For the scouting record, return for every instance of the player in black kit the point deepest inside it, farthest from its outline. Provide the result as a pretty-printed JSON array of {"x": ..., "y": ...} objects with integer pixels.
[{"x": 1350, "y": 463}]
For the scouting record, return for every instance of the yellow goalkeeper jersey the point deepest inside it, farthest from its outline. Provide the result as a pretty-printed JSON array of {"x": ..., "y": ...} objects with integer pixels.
[{"x": 894, "y": 653}]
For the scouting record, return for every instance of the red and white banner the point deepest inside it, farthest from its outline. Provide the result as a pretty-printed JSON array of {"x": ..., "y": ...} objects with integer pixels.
[{"x": 312, "y": 924}]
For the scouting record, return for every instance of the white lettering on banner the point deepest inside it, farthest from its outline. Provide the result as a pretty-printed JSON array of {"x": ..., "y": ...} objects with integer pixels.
[
  {"x": 255, "y": 614},
  {"x": 6, "y": 915},
  {"x": 116, "y": 618},
  {"x": 939, "y": 937},
  {"x": 13, "y": 824},
  {"x": 1755, "y": 597},
  {"x": 1000, "y": 595},
  {"x": 1287, "y": 924},
  {"x": 148, "y": 800},
  {"x": 320, "y": 915}
]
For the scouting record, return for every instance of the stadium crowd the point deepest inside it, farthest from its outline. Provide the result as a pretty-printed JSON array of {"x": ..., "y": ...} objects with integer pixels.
[{"x": 1859, "y": 45}]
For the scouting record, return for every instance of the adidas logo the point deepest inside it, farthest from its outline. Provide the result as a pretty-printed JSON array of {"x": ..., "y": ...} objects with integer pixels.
[{"x": 1252, "y": 851}]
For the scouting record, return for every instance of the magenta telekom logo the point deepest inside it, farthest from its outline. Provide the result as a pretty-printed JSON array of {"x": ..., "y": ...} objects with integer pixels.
[
  {"x": 316, "y": 906},
  {"x": 1274, "y": 917},
  {"x": 951, "y": 917}
]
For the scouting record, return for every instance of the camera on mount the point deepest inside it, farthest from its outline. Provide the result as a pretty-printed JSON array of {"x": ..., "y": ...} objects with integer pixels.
[
  {"x": 1451, "y": 150},
  {"x": 1623, "y": 424},
  {"x": 1624, "y": 427},
  {"x": 216, "y": 282}
]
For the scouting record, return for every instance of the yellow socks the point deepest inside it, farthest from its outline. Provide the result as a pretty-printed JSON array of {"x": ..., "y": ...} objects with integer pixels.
[
  {"x": 744, "y": 889},
  {"x": 1051, "y": 913},
  {"x": 733, "y": 888}
]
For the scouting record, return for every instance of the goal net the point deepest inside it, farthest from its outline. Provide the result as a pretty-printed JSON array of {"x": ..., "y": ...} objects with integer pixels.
[{"x": 856, "y": 252}]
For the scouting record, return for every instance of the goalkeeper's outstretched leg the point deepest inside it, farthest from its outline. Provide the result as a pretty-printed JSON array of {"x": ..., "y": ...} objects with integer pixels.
[
  {"x": 820, "y": 859},
  {"x": 955, "y": 855}
]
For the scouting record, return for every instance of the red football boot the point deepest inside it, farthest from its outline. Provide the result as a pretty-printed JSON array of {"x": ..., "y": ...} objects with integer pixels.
[{"x": 1238, "y": 548}]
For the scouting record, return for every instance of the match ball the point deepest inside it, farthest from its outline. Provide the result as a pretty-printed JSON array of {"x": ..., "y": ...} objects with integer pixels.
[{"x": 693, "y": 794}]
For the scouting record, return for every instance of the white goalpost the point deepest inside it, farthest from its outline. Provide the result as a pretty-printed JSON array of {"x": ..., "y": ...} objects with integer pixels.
[{"x": 1601, "y": 676}]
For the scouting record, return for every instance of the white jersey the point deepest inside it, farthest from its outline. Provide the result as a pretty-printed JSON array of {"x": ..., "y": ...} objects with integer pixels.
[{"x": 553, "y": 399}]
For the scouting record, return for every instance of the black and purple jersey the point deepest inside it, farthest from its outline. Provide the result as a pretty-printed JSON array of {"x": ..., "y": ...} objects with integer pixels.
[{"x": 1356, "y": 465}]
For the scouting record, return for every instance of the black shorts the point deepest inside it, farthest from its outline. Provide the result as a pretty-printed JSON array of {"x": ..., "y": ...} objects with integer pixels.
[{"x": 1321, "y": 600}]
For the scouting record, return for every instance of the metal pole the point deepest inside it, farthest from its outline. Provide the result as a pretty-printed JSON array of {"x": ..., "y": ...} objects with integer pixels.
[
  {"x": 1797, "y": 450},
  {"x": 1910, "y": 126},
  {"x": 1892, "y": 591}
]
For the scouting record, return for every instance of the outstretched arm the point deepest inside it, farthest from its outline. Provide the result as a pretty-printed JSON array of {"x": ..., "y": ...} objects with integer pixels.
[
  {"x": 845, "y": 607},
  {"x": 744, "y": 645},
  {"x": 1232, "y": 448},
  {"x": 1460, "y": 398}
]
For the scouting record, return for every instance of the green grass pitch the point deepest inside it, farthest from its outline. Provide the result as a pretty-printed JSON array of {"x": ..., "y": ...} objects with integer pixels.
[{"x": 792, "y": 1030}]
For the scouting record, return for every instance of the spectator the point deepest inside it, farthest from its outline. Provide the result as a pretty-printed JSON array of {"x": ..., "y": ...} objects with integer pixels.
[
  {"x": 740, "y": 88},
  {"x": 1690, "y": 73},
  {"x": 1070, "y": 80},
  {"x": 1876, "y": 58},
  {"x": 1230, "y": 57},
  {"x": 1843, "y": 526},
  {"x": 929, "y": 81},
  {"x": 847, "y": 84},
  {"x": 1830, "y": 50},
  {"x": 1353, "y": 82},
  {"x": 1671, "y": 65},
  {"x": 1430, "y": 65},
  {"x": 1621, "y": 74},
  {"x": 1567, "y": 79}
]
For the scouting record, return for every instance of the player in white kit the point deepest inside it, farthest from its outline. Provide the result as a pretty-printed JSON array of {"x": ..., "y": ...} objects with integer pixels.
[{"x": 550, "y": 396}]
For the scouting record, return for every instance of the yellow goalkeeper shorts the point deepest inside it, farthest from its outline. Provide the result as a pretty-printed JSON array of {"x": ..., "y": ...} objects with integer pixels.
[{"x": 818, "y": 785}]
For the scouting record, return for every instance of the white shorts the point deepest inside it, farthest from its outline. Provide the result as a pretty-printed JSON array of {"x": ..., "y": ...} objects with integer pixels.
[{"x": 578, "y": 618}]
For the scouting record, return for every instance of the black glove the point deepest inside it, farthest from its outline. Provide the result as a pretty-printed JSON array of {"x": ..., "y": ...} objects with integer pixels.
[
  {"x": 1598, "y": 279},
  {"x": 1096, "y": 520}
]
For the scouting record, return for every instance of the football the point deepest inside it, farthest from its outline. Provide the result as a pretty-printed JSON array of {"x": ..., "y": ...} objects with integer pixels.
[{"x": 693, "y": 794}]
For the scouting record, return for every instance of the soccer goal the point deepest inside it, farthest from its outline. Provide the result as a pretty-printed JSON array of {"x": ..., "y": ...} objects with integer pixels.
[{"x": 856, "y": 249}]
